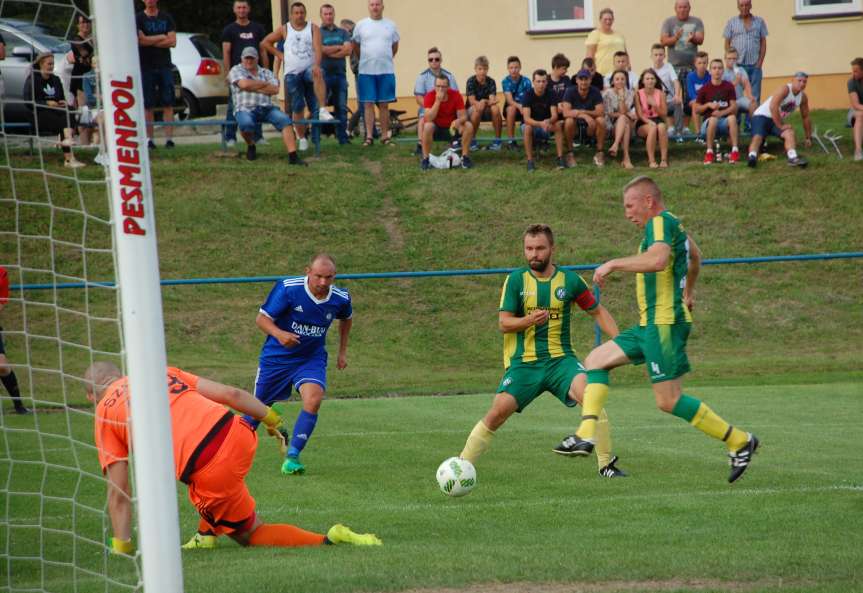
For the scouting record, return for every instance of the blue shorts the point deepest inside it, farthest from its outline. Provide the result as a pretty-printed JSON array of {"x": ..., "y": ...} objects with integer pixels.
[
  {"x": 721, "y": 127},
  {"x": 301, "y": 91},
  {"x": 158, "y": 87},
  {"x": 377, "y": 88},
  {"x": 248, "y": 121},
  {"x": 765, "y": 126},
  {"x": 539, "y": 135},
  {"x": 275, "y": 384}
]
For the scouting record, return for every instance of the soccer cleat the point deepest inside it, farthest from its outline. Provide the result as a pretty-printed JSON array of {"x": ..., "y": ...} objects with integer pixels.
[
  {"x": 325, "y": 115},
  {"x": 741, "y": 458},
  {"x": 798, "y": 161},
  {"x": 251, "y": 152},
  {"x": 293, "y": 467},
  {"x": 735, "y": 156},
  {"x": 303, "y": 144},
  {"x": 342, "y": 534},
  {"x": 466, "y": 163},
  {"x": 752, "y": 161},
  {"x": 573, "y": 446},
  {"x": 708, "y": 157},
  {"x": 200, "y": 541},
  {"x": 611, "y": 470},
  {"x": 531, "y": 166},
  {"x": 425, "y": 165}
]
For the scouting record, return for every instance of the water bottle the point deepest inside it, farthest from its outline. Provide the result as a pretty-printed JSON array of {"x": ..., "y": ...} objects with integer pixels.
[{"x": 717, "y": 152}]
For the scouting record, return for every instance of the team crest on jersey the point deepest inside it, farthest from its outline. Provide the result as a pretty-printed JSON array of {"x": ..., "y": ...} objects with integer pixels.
[
  {"x": 329, "y": 316},
  {"x": 560, "y": 293}
]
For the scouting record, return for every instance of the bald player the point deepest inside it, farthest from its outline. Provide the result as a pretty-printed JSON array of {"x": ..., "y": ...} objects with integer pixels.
[
  {"x": 213, "y": 452},
  {"x": 295, "y": 317}
]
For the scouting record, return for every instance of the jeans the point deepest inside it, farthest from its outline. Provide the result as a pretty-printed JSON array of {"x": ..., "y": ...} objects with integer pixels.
[
  {"x": 229, "y": 132},
  {"x": 300, "y": 89},
  {"x": 337, "y": 94},
  {"x": 755, "y": 76},
  {"x": 248, "y": 120}
]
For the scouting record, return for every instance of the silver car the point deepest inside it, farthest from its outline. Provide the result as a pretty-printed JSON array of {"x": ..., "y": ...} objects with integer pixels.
[{"x": 200, "y": 63}]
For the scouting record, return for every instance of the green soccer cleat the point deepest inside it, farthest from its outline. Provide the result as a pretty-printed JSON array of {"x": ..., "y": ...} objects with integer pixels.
[
  {"x": 200, "y": 542},
  {"x": 293, "y": 467},
  {"x": 341, "y": 534}
]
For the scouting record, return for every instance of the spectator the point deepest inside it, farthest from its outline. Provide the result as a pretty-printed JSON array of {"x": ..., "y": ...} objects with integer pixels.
[
  {"x": 301, "y": 57},
  {"x": 673, "y": 91},
  {"x": 236, "y": 37},
  {"x": 694, "y": 81},
  {"x": 336, "y": 46},
  {"x": 157, "y": 34},
  {"x": 540, "y": 121},
  {"x": 376, "y": 39},
  {"x": 651, "y": 109},
  {"x": 2, "y": 57},
  {"x": 855, "y": 114},
  {"x": 585, "y": 113},
  {"x": 47, "y": 100},
  {"x": 621, "y": 62},
  {"x": 770, "y": 120},
  {"x": 443, "y": 107},
  {"x": 738, "y": 77},
  {"x": 253, "y": 88},
  {"x": 515, "y": 87},
  {"x": 482, "y": 101},
  {"x": 558, "y": 81},
  {"x": 619, "y": 102},
  {"x": 716, "y": 102},
  {"x": 682, "y": 34},
  {"x": 748, "y": 35},
  {"x": 425, "y": 83},
  {"x": 603, "y": 42},
  {"x": 80, "y": 56},
  {"x": 596, "y": 79}
]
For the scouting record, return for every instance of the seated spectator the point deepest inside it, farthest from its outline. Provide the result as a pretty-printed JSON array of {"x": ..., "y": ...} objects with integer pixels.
[
  {"x": 541, "y": 121},
  {"x": 673, "y": 91},
  {"x": 482, "y": 101},
  {"x": 621, "y": 62},
  {"x": 596, "y": 79},
  {"x": 253, "y": 89},
  {"x": 515, "y": 86},
  {"x": 443, "y": 108},
  {"x": 619, "y": 101},
  {"x": 585, "y": 114},
  {"x": 651, "y": 109},
  {"x": 558, "y": 81},
  {"x": 47, "y": 100},
  {"x": 716, "y": 103},
  {"x": 770, "y": 119},
  {"x": 740, "y": 79},
  {"x": 855, "y": 114},
  {"x": 425, "y": 84},
  {"x": 694, "y": 81}
]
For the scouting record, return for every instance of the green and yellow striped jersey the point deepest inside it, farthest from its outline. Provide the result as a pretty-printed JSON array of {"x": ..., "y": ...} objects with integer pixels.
[
  {"x": 660, "y": 294},
  {"x": 522, "y": 294}
]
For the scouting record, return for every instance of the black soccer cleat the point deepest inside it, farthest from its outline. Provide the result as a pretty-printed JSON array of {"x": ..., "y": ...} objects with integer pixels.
[
  {"x": 741, "y": 458},
  {"x": 574, "y": 446},
  {"x": 611, "y": 470}
]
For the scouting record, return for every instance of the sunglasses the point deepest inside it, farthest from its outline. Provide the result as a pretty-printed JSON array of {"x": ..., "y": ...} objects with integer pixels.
[{"x": 434, "y": 59}]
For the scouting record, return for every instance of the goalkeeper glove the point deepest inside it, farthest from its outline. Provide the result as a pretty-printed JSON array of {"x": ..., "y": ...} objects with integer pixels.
[
  {"x": 122, "y": 546},
  {"x": 276, "y": 429}
]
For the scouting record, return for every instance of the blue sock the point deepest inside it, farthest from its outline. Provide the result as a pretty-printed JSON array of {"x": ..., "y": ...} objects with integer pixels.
[{"x": 303, "y": 429}]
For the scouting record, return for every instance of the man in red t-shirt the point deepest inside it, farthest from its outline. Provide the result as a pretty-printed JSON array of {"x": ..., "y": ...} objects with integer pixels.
[
  {"x": 716, "y": 101},
  {"x": 443, "y": 107},
  {"x": 7, "y": 375}
]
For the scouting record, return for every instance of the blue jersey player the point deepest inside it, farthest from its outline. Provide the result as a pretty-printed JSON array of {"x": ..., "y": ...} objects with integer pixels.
[{"x": 296, "y": 316}]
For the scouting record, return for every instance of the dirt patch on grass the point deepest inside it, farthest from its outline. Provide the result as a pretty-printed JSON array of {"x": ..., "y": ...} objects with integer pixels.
[{"x": 617, "y": 587}]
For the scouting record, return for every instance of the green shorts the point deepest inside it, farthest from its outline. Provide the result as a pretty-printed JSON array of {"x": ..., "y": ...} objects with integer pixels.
[
  {"x": 528, "y": 380},
  {"x": 663, "y": 347}
]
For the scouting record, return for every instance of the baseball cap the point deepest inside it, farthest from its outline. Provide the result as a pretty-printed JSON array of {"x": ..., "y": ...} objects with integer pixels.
[
  {"x": 249, "y": 52},
  {"x": 583, "y": 73}
]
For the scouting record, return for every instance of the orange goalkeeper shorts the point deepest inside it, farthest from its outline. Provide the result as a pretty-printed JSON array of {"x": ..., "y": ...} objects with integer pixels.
[{"x": 218, "y": 490}]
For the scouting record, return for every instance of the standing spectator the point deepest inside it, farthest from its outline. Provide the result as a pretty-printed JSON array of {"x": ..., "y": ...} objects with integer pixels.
[
  {"x": 585, "y": 112},
  {"x": 541, "y": 121},
  {"x": 425, "y": 84},
  {"x": 716, "y": 102},
  {"x": 651, "y": 109},
  {"x": 483, "y": 105},
  {"x": 376, "y": 40},
  {"x": 694, "y": 81},
  {"x": 770, "y": 119},
  {"x": 682, "y": 34},
  {"x": 747, "y": 34},
  {"x": 619, "y": 101},
  {"x": 80, "y": 56},
  {"x": 7, "y": 375},
  {"x": 596, "y": 79},
  {"x": 515, "y": 87},
  {"x": 603, "y": 42},
  {"x": 157, "y": 34},
  {"x": 673, "y": 91},
  {"x": 621, "y": 62},
  {"x": 2, "y": 57},
  {"x": 855, "y": 114},
  {"x": 336, "y": 46},
  {"x": 253, "y": 88},
  {"x": 236, "y": 37},
  {"x": 443, "y": 108},
  {"x": 738, "y": 77}
]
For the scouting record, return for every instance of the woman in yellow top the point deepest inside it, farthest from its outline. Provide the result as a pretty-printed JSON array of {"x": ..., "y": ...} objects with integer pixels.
[{"x": 603, "y": 42}]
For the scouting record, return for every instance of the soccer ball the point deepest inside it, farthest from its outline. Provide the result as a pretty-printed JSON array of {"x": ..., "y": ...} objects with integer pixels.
[{"x": 456, "y": 476}]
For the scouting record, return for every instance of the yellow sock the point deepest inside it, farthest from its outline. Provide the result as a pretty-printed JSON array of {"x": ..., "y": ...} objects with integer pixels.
[
  {"x": 477, "y": 443},
  {"x": 594, "y": 401},
  {"x": 699, "y": 415},
  {"x": 603, "y": 441}
]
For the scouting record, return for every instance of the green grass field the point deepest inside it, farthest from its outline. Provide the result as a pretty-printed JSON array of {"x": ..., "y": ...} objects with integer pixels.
[{"x": 775, "y": 348}]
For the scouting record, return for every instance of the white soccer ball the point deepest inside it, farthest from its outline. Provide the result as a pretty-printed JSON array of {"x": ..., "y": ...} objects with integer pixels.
[{"x": 456, "y": 476}]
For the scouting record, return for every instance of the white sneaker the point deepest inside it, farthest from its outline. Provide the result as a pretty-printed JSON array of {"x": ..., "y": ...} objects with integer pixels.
[
  {"x": 858, "y": 156},
  {"x": 304, "y": 144},
  {"x": 672, "y": 132},
  {"x": 73, "y": 164},
  {"x": 325, "y": 115},
  {"x": 102, "y": 159},
  {"x": 67, "y": 142},
  {"x": 262, "y": 142},
  {"x": 231, "y": 143}
]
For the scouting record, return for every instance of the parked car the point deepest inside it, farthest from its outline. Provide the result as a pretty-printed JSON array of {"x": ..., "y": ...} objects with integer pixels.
[{"x": 200, "y": 63}]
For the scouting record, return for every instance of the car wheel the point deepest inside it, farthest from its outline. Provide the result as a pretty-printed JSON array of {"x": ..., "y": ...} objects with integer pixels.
[{"x": 191, "y": 106}]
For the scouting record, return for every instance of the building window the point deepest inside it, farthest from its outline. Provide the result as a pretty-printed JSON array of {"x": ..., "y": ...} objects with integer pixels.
[
  {"x": 560, "y": 15},
  {"x": 815, "y": 8}
]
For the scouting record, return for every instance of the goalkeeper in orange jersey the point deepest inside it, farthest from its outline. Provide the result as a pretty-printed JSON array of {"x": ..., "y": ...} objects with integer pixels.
[{"x": 213, "y": 452}]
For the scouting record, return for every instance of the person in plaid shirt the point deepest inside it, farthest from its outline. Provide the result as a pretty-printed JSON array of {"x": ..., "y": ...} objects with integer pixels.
[{"x": 253, "y": 88}]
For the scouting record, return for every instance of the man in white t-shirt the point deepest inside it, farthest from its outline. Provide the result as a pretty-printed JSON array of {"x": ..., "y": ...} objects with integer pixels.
[
  {"x": 673, "y": 91},
  {"x": 376, "y": 41}
]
